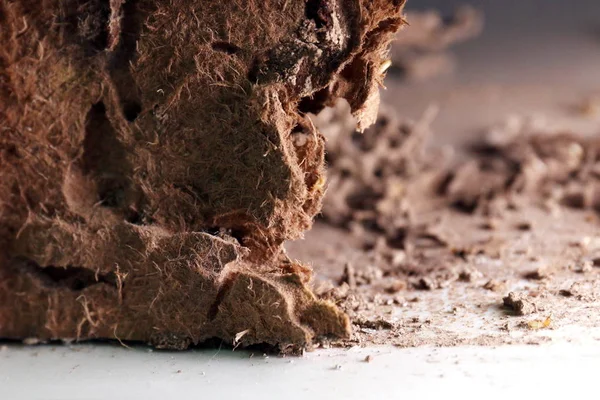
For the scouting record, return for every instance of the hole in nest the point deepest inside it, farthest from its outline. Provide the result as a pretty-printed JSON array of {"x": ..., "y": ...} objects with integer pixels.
[
  {"x": 120, "y": 61},
  {"x": 256, "y": 69},
  {"x": 213, "y": 230},
  {"x": 223, "y": 290},
  {"x": 131, "y": 110},
  {"x": 131, "y": 24},
  {"x": 105, "y": 158},
  {"x": 225, "y": 47},
  {"x": 112, "y": 197},
  {"x": 316, "y": 10},
  {"x": 298, "y": 129},
  {"x": 315, "y": 103},
  {"x": 70, "y": 277},
  {"x": 137, "y": 218},
  {"x": 238, "y": 233}
]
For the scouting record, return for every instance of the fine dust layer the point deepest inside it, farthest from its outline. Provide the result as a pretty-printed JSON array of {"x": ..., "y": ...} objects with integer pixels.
[
  {"x": 489, "y": 244},
  {"x": 155, "y": 155}
]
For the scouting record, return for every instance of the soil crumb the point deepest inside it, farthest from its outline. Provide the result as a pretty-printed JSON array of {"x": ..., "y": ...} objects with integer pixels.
[{"x": 519, "y": 303}]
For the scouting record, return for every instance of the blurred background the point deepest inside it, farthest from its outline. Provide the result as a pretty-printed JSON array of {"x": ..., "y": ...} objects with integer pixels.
[
  {"x": 532, "y": 58},
  {"x": 529, "y": 40}
]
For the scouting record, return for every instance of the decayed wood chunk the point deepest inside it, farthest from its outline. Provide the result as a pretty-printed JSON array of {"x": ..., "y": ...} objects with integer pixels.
[{"x": 154, "y": 155}]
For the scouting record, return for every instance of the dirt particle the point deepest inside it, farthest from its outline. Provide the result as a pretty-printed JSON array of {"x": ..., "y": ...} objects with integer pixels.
[
  {"x": 490, "y": 224},
  {"x": 584, "y": 267},
  {"x": 583, "y": 243},
  {"x": 438, "y": 280},
  {"x": 524, "y": 226},
  {"x": 425, "y": 284},
  {"x": 538, "y": 274},
  {"x": 495, "y": 286},
  {"x": 519, "y": 303},
  {"x": 469, "y": 274},
  {"x": 368, "y": 275},
  {"x": 341, "y": 292},
  {"x": 579, "y": 291},
  {"x": 349, "y": 276},
  {"x": 376, "y": 324},
  {"x": 396, "y": 286}
]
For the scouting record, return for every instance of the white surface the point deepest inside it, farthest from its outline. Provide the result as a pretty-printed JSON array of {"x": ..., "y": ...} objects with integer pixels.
[
  {"x": 111, "y": 372},
  {"x": 493, "y": 69}
]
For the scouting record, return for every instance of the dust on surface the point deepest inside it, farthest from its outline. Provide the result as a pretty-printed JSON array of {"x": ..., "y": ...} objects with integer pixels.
[
  {"x": 493, "y": 243},
  {"x": 487, "y": 241}
]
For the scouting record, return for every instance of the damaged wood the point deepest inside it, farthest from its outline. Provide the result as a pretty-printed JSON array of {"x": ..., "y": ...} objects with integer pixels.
[{"x": 163, "y": 146}]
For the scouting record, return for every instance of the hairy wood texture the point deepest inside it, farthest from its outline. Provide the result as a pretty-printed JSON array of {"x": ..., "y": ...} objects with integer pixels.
[{"x": 155, "y": 155}]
